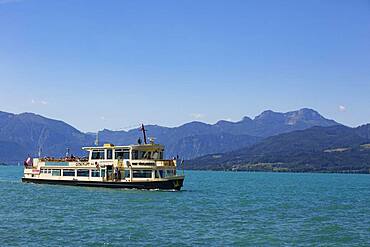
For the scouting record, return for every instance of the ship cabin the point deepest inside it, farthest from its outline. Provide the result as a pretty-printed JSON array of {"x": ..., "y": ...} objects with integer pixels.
[{"x": 132, "y": 162}]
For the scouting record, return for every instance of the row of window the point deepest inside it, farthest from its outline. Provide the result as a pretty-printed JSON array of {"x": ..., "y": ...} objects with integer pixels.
[
  {"x": 125, "y": 154},
  {"x": 157, "y": 174},
  {"x": 101, "y": 173},
  {"x": 118, "y": 154},
  {"x": 136, "y": 155},
  {"x": 72, "y": 172}
]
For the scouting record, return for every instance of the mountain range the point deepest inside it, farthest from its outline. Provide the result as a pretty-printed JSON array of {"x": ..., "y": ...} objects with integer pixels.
[
  {"x": 336, "y": 149},
  {"x": 26, "y": 133}
]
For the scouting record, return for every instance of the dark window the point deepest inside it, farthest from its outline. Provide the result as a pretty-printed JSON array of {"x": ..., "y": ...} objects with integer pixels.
[
  {"x": 109, "y": 154},
  {"x": 55, "y": 172},
  {"x": 95, "y": 173},
  {"x": 142, "y": 173},
  {"x": 118, "y": 154},
  {"x": 69, "y": 173},
  {"x": 141, "y": 154},
  {"x": 83, "y": 173},
  {"x": 148, "y": 155},
  {"x": 161, "y": 172},
  {"x": 98, "y": 155},
  {"x": 121, "y": 154},
  {"x": 135, "y": 155}
]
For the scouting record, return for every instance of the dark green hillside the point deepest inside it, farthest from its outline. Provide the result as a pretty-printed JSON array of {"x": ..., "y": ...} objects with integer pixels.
[{"x": 336, "y": 148}]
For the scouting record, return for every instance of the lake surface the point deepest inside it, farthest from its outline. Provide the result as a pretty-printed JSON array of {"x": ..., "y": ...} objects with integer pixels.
[{"x": 214, "y": 208}]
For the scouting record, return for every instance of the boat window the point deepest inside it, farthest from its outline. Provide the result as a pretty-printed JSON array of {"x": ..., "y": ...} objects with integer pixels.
[
  {"x": 55, "y": 172},
  {"x": 95, "y": 173},
  {"x": 122, "y": 154},
  {"x": 109, "y": 154},
  {"x": 97, "y": 155},
  {"x": 146, "y": 155},
  {"x": 142, "y": 173},
  {"x": 102, "y": 173},
  {"x": 155, "y": 155},
  {"x": 169, "y": 173},
  {"x": 47, "y": 171},
  {"x": 135, "y": 154},
  {"x": 127, "y": 173},
  {"x": 82, "y": 173},
  {"x": 68, "y": 172},
  {"x": 118, "y": 154},
  {"x": 141, "y": 155}
]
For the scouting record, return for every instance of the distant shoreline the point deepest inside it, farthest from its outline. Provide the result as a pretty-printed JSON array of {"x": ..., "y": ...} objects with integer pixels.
[
  {"x": 286, "y": 171},
  {"x": 241, "y": 170}
]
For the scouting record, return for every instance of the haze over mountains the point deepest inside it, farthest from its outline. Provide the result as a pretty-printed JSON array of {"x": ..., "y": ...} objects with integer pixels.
[{"x": 23, "y": 134}]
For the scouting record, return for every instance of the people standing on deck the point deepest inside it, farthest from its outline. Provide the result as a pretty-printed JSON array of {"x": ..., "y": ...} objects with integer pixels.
[{"x": 119, "y": 174}]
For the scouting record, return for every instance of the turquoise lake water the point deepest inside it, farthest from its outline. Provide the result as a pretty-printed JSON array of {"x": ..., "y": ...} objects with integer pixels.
[{"x": 214, "y": 208}]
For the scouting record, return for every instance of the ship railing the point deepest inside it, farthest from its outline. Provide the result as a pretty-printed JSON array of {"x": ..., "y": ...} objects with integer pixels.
[
  {"x": 66, "y": 159},
  {"x": 165, "y": 162},
  {"x": 154, "y": 162}
]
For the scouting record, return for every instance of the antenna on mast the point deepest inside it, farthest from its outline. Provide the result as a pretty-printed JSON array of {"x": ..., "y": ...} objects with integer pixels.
[{"x": 144, "y": 132}]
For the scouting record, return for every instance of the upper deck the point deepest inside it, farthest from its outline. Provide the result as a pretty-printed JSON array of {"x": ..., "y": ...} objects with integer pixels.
[
  {"x": 144, "y": 155},
  {"x": 131, "y": 152}
]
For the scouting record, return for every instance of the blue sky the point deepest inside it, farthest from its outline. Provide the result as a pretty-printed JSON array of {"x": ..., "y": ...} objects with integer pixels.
[{"x": 115, "y": 64}]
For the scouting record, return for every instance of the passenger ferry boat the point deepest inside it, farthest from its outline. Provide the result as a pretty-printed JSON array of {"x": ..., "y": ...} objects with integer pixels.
[{"x": 138, "y": 166}]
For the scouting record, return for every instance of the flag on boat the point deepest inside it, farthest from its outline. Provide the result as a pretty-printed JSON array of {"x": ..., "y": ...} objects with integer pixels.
[{"x": 29, "y": 161}]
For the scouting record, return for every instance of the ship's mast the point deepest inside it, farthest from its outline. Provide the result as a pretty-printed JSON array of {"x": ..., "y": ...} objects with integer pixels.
[
  {"x": 144, "y": 132},
  {"x": 97, "y": 139}
]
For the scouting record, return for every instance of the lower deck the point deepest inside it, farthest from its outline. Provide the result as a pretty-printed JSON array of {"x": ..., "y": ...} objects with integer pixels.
[
  {"x": 100, "y": 174},
  {"x": 174, "y": 183}
]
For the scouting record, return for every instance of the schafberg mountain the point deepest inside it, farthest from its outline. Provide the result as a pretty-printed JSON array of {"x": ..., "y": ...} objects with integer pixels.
[
  {"x": 335, "y": 149},
  {"x": 270, "y": 123},
  {"x": 23, "y": 134}
]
